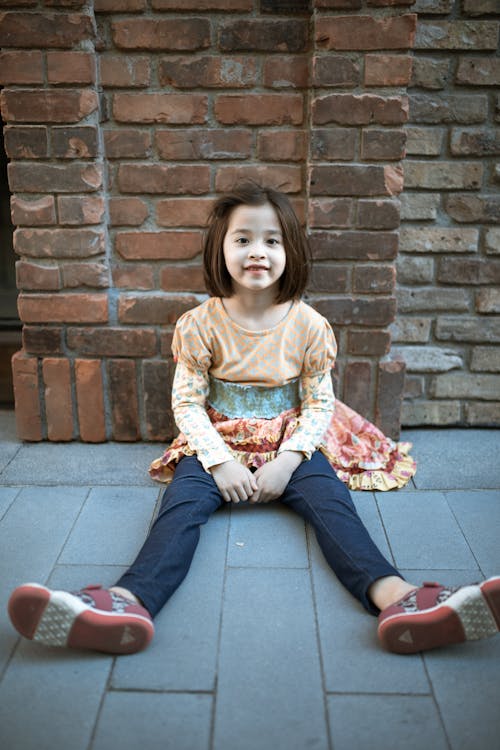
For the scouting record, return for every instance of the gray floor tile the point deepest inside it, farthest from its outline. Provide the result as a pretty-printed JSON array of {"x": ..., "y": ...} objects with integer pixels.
[
  {"x": 75, "y": 577},
  {"x": 368, "y": 511},
  {"x": 111, "y": 527},
  {"x": 154, "y": 722},
  {"x": 183, "y": 653},
  {"x": 423, "y": 532},
  {"x": 8, "y": 432},
  {"x": 266, "y": 536},
  {"x": 385, "y": 722},
  {"x": 7, "y": 497},
  {"x": 478, "y": 513},
  {"x": 269, "y": 688},
  {"x": 455, "y": 458}
]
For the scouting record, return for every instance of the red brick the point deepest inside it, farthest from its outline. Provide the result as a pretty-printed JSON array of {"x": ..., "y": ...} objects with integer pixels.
[
  {"x": 383, "y": 145},
  {"x": 130, "y": 144},
  {"x": 157, "y": 380},
  {"x": 112, "y": 342},
  {"x": 351, "y": 180},
  {"x": 44, "y": 29},
  {"x": 133, "y": 276},
  {"x": 158, "y": 178},
  {"x": 283, "y": 145},
  {"x": 368, "y": 343},
  {"x": 359, "y": 311},
  {"x": 32, "y": 213},
  {"x": 335, "y": 70},
  {"x": 158, "y": 245},
  {"x": 68, "y": 105},
  {"x": 387, "y": 70},
  {"x": 235, "y": 143},
  {"x": 475, "y": 142},
  {"x": 74, "y": 143},
  {"x": 26, "y": 142},
  {"x": 337, "y": 144},
  {"x": 382, "y": 3},
  {"x": 42, "y": 340},
  {"x": 378, "y": 214},
  {"x": 58, "y": 243},
  {"x": 94, "y": 275},
  {"x": 21, "y": 67},
  {"x": 25, "y": 377},
  {"x": 231, "y": 6},
  {"x": 331, "y": 278},
  {"x": 374, "y": 279},
  {"x": 119, "y": 6},
  {"x": 357, "y": 386},
  {"x": 174, "y": 109},
  {"x": 208, "y": 72},
  {"x": 127, "y": 212},
  {"x": 81, "y": 209},
  {"x": 365, "y": 32},
  {"x": 354, "y": 245},
  {"x": 90, "y": 400},
  {"x": 166, "y": 343},
  {"x": 122, "y": 71},
  {"x": 64, "y": 3},
  {"x": 390, "y": 389},
  {"x": 182, "y": 279},
  {"x": 330, "y": 212},
  {"x": 70, "y": 67},
  {"x": 63, "y": 308},
  {"x": 260, "y": 109},
  {"x": 286, "y": 72},
  {"x": 124, "y": 402},
  {"x": 157, "y": 309},
  {"x": 52, "y": 178},
  {"x": 286, "y": 178},
  {"x": 158, "y": 34},
  {"x": 183, "y": 212},
  {"x": 58, "y": 401},
  {"x": 364, "y": 109},
  {"x": 465, "y": 271},
  {"x": 338, "y": 4},
  {"x": 35, "y": 276}
]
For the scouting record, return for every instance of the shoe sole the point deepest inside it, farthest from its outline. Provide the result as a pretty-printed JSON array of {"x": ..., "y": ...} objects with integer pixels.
[
  {"x": 471, "y": 614},
  {"x": 57, "y": 618}
]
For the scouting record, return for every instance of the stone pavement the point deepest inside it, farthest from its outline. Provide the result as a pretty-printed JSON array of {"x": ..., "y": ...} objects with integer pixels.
[{"x": 261, "y": 648}]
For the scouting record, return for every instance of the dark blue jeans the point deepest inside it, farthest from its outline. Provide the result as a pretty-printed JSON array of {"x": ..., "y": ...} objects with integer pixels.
[{"x": 314, "y": 492}]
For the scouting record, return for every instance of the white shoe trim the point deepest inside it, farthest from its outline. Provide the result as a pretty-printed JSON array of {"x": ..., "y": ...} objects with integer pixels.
[
  {"x": 58, "y": 617},
  {"x": 474, "y": 613}
]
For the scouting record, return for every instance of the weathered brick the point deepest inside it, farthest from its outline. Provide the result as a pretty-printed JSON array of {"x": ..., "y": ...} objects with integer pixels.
[
  {"x": 158, "y": 245},
  {"x": 81, "y": 209},
  {"x": 27, "y": 400},
  {"x": 368, "y": 343},
  {"x": 415, "y": 206},
  {"x": 363, "y": 109},
  {"x": 441, "y": 7},
  {"x": 42, "y": 339},
  {"x": 377, "y": 279},
  {"x": 26, "y": 142},
  {"x": 159, "y": 34},
  {"x": 215, "y": 143},
  {"x": 387, "y": 70},
  {"x": 463, "y": 328},
  {"x": 120, "y": 6},
  {"x": 438, "y": 240},
  {"x": 58, "y": 243},
  {"x": 330, "y": 212},
  {"x": 485, "y": 359},
  {"x": 32, "y": 213},
  {"x": 339, "y": 4},
  {"x": 124, "y": 401},
  {"x": 355, "y": 180},
  {"x": 424, "y": 141},
  {"x": 61, "y": 105},
  {"x": 412, "y": 270},
  {"x": 166, "y": 338},
  {"x": 90, "y": 400},
  {"x": 263, "y": 35},
  {"x": 133, "y": 276},
  {"x": 357, "y": 386},
  {"x": 157, "y": 380},
  {"x": 39, "y": 30},
  {"x": 488, "y": 300},
  {"x": 481, "y": 414},
  {"x": 383, "y": 145},
  {"x": 183, "y": 212},
  {"x": 281, "y": 72},
  {"x": 411, "y": 330},
  {"x": 156, "y": 309},
  {"x": 52, "y": 178},
  {"x": 466, "y": 385},
  {"x": 329, "y": 277},
  {"x": 492, "y": 241},
  {"x": 333, "y": 144},
  {"x": 354, "y": 245},
  {"x": 158, "y": 178},
  {"x": 21, "y": 67},
  {"x": 448, "y": 108},
  {"x": 93, "y": 275},
  {"x": 284, "y": 145},
  {"x": 378, "y": 214},
  {"x": 287, "y": 178},
  {"x": 74, "y": 143},
  {"x": 475, "y": 142},
  {"x": 358, "y": 311},
  {"x": 479, "y": 7},
  {"x": 182, "y": 279},
  {"x": 174, "y": 109},
  {"x": 334, "y": 70},
  {"x": 428, "y": 358},
  {"x": 58, "y": 401},
  {"x": 469, "y": 35},
  {"x": 365, "y": 32},
  {"x": 425, "y": 299},
  {"x": 430, "y": 72},
  {"x": 63, "y": 308},
  {"x": 70, "y": 67},
  {"x": 414, "y": 386},
  {"x": 422, "y": 412},
  {"x": 208, "y": 72},
  {"x": 473, "y": 208},
  {"x": 112, "y": 342},
  {"x": 260, "y": 109},
  {"x": 127, "y": 143},
  {"x": 230, "y": 6},
  {"x": 478, "y": 71},
  {"x": 124, "y": 71},
  {"x": 443, "y": 175},
  {"x": 389, "y": 397},
  {"x": 127, "y": 212},
  {"x": 35, "y": 276}
]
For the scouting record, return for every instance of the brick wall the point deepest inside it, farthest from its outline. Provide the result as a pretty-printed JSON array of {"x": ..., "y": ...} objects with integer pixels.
[
  {"x": 124, "y": 118},
  {"x": 448, "y": 326}
]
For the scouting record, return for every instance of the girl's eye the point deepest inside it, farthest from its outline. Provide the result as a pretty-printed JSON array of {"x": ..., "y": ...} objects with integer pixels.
[
  {"x": 241, "y": 241},
  {"x": 273, "y": 241}
]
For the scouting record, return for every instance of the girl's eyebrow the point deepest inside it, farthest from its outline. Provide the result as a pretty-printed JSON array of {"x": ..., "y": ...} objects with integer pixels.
[{"x": 249, "y": 231}]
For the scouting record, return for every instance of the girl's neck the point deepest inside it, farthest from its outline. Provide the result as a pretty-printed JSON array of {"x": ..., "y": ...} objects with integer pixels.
[{"x": 255, "y": 313}]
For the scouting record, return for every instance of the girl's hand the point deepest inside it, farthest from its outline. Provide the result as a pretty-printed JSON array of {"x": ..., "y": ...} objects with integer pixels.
[
  {"x": 235, "y": 481},
  {"x": 273, "y": 477}
]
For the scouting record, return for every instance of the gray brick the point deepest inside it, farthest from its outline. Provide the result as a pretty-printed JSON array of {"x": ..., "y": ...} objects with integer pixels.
[
  {"x": 466, "y": 328},
  {"x": 485, "y": 358},
  {"x": 466, "y": 385},
  {"x": 492, "y": 241},
  {"x": 427, "y": 358},
  {"x": 478, "y": 513},
  {"x": 443, "y": 175},
  {"x": 424, "y": 141},
  {"x": 415, "y": 206},
  {"x": 438, "y": 240},
  {"x": 411, "y": 330},
  {"x": 466, "y": 35},
  {"x": 411, "y": 270},
  {"x": 427, "y": 109},
  {"x": 423, "y": 412},
  {"x": 430, "y": 73},
  {"x": 425, "y": 299},
  {"x": 486, "y": 414}
]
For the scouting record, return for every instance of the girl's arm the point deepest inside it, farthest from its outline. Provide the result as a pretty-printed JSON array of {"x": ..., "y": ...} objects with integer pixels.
[{"x": 316, "y": 412}]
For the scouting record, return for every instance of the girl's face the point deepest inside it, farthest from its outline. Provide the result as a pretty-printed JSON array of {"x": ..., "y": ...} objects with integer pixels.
[{"x": 253, "y": 249}]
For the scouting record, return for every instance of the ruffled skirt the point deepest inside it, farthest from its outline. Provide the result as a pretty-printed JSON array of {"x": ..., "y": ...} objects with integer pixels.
[{"x": 361, "y": 455}]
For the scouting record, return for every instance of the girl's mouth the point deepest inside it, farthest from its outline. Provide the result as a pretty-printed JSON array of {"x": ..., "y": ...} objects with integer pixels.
[{"x": 256, "y": 269}]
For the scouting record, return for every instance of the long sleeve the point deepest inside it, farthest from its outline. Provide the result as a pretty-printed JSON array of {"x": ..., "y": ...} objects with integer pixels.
[{"x": 317, "y": 408}]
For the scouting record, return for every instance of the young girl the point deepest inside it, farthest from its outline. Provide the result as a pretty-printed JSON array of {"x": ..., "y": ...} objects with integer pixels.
[{"x": 252, "y": 397}]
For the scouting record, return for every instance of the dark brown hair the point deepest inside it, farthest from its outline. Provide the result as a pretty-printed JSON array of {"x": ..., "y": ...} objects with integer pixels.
[{"x": 296, "y": 274}]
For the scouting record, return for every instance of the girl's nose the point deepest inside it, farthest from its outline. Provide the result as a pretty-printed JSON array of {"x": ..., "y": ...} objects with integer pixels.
[{"x": 256, "y": 252}]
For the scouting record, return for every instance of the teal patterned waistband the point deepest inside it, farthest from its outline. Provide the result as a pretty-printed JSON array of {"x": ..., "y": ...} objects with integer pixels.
[{"x": 235, "y": 400}]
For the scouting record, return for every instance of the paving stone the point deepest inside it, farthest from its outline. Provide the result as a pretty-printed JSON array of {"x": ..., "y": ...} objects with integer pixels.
[
  {"x": 367, "y": 508},
  {"x": 269, "y": 692},
  {"x": 183, "y": 653},
  {"x": 478, "y": 513},
  {"x": 353, "y": 660},
  {"x": 266, "y": 536},
  {"x": 423, "y": 532},
  {"x": 75, "y": 577},
  {"x": 373, "y": 722},
  {"x": 7, "y": 497},
  {"x": 154, "y": 722},
  {"x": 8, "y": 432},
  {"x": 111, "y": 527}
]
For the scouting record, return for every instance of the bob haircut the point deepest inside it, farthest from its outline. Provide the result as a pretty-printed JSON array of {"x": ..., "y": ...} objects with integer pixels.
[{"x": 296, "y": 274}]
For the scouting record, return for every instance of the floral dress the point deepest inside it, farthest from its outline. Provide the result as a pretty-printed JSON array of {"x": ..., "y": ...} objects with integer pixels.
[{"x": 249, "y": 395}]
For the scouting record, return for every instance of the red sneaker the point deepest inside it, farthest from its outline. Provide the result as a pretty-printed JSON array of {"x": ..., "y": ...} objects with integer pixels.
[
  {"x": 93, "y": 618},
  {"x": 433, "y": 616}
]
